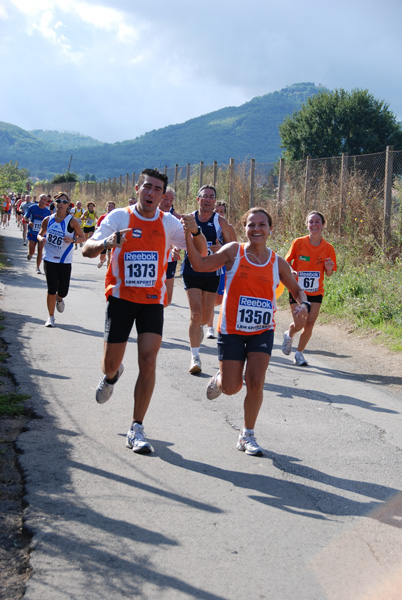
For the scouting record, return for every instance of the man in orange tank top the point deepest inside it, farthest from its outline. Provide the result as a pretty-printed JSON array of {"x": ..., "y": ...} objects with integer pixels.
[{"x": 140, "y": 237}]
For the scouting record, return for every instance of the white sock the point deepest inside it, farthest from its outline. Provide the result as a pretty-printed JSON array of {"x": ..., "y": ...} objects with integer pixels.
[{"x": 195, "y": 351}]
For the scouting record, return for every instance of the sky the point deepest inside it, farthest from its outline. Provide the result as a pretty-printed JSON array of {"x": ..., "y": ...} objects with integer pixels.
[{"x": 116, "y": 70}]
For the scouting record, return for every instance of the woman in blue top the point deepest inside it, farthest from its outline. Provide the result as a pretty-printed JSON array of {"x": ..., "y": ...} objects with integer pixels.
[{"x": 59, "y": 231}]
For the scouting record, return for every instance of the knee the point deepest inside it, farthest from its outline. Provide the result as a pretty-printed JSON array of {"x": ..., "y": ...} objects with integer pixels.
[
  {"x": 231, "y": 387},
  {"x": 147, "y": 361}
]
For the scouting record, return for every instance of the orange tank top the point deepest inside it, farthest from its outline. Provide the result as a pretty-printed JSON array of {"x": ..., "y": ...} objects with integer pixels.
[
  {"x": 137, "y": 271},
  {"x": 248, "y": 304}
]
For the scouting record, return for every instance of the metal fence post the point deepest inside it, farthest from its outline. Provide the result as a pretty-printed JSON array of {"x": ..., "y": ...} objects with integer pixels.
[
  {"x": 281, "y": 182},
  {"x": 252, "y": 181},
  {"x": 201, "y": 174},
  {"x": 215, "y": 173},
  {"x": 387, "y": 196},
  {"x": 342, "y": 197},
  {"x": 187, "y": 181},
  {"x": 230, "y": 185},
  {"x": 307, "y": 179}
]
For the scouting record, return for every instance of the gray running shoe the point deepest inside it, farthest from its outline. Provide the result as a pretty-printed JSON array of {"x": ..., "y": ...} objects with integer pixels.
[
  {"x": 213, "y": 390},
  {"x": 60, "y": 305},
  {"x": 104, "y": 390},
  {"x": 248, "y": 444},
  {"x": 287, "y": 343},
  {"x": 136, "y": 440},
  {"x": 202, "y": 334},
  {"x": 299, "y": 360},
  {"x": 50, "y": 322},
  {"x": 211, "y": 334},
  {"x": 195, "y": 365},
  {"x": 29, "y": 256}
]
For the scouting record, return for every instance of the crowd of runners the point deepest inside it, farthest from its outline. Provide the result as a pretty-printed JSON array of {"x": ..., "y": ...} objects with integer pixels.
[{"x": 141, "y": 245}]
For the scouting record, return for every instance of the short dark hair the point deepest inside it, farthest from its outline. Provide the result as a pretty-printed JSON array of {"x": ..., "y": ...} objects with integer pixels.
[
  {"x": 153, "y": 173},
  {"x": 207, "y": 186}
]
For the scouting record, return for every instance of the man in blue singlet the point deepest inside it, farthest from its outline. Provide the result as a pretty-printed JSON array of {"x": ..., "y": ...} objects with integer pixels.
[
  {"x": 201, "y": 288},
  {"x": 34, "y": 217}
]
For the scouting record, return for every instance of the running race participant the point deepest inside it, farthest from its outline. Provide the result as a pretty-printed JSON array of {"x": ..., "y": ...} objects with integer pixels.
[
  {"x": 24, "y": 206},
  {"x": 220, "y": 208},
  {"x": 310, "y": 258},
  {"x": 246, "y": 320},
  {"x": 89, "y": 219},
  {"x": 201, "y": 287},
  {"x": 59, "y": 232},
  {"x": 109, "y": 207},
  {"x": 140, "y": 236},
  {"x": 166, "y": 204},
  {"x": 35, "y": 215},
  {"x": 77, "y": 212}
]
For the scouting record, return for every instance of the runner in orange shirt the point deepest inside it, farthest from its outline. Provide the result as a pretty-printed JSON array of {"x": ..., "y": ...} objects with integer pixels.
[
  {"x": 140, "y": 237},
  {"x": 246, "y": 321},
  {"x": 310, "y": 258}
]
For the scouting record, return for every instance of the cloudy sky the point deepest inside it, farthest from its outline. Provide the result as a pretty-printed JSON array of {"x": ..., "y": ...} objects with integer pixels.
[{"x": 117, "y": 69}]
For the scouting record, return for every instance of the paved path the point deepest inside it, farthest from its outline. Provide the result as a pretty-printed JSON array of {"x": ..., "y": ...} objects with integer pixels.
[{"x": 317, "y": 517}]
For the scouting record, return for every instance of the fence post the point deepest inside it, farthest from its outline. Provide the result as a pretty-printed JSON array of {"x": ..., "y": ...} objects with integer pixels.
[
  {"x": 307, "y": 179},
  {"x": 132, "y": 183},
  {"x": 120, "y": 183},
  {"x": 279, "y": 194},
  {"x": 344, "y": 175},
  {"x": 230, "y": 186},
  {"x": 387, "y": 196},
  {"x": 215, "y": 173},
  {"x": 201, "y": 174},
  {"x": 187, "y": 181},
  {"x": 126, "y": 184},
  {"x": 176, "y": 172},
  {"x": 252, "y": 181}
]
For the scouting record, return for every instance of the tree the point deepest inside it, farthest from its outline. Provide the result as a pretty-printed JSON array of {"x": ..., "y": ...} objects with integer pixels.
[
  {"x": 335, "y": 122},
  {"x": 66, "y": 178},
  {"x": 12, "y": 178}
]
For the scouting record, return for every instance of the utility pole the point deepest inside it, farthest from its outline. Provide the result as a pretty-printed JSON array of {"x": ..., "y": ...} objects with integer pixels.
[{"x": 69, "y": 164}]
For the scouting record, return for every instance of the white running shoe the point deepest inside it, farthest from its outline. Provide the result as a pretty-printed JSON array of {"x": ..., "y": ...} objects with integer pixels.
[
  {"x": 248, "y": 444},
  {"x": 299, "y": 360},
  {"x": 287, "y": 343},
  {"x": 104, "y": 390},
  {"x": 136, "y": 440},
  {"x": 213, "y": 390},
  {"x": 195, "y": 365},
  {"x": 100, "y": 264},
  {"x": 50, "y": 322},
  {"x": 39, "y": 272},
  {"x": 211, "y": 334},
  {"x": 60, "y": 305}
]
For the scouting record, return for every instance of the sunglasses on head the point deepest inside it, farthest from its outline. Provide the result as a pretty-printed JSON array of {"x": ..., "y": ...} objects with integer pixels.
[{"x": 58, "y": 201}]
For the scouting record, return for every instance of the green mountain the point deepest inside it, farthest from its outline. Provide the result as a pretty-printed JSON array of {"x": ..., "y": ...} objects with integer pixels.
[
  {"x": 244, "y": 132},
  {"x": 65, "y": 140}
]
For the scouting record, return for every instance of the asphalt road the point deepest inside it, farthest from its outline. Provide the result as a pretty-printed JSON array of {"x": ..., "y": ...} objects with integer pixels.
[{"x": 317, "y": 517}]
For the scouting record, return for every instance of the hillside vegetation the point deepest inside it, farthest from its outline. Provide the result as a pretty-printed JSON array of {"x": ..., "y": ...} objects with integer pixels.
[{"x": 247, "y": 131}]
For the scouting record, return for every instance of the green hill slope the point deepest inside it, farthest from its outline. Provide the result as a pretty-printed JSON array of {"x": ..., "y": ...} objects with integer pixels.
[
  {"x": 64, "y": 140},
  {"x": 247, "y": 131}
]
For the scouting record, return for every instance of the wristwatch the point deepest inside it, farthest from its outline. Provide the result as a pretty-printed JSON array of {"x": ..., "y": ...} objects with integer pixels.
[
  {"x": 308, "y": 304},
  {"x": 198, "y": 232}
]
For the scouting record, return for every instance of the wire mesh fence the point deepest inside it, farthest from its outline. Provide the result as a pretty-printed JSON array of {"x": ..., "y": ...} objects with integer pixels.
[{"x": 350, "y": 190}]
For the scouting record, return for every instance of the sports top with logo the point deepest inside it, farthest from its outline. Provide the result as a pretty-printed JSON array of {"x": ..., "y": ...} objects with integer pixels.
[
  {"x": 36, "y": 215},
  {"x": 212, "y": 231},
  {"x": 137, "y": 271},
  {"x": 248, "y": 304},
  {"x": 56, "y": 249},
  {"x": 309, "y": 262}
]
